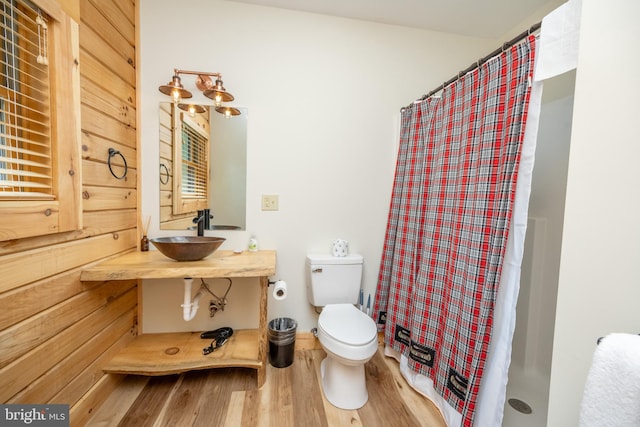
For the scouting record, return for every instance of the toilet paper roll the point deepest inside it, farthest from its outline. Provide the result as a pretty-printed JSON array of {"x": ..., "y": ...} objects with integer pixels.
[{"x": 280, "y": 290}]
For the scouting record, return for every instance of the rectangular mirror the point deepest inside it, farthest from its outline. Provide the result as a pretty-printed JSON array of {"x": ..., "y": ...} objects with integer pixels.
[{"x": 203, "y": 158}]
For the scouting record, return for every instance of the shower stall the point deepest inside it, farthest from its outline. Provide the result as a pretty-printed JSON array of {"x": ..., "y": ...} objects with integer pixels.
[{"x": 530, "y": 368}]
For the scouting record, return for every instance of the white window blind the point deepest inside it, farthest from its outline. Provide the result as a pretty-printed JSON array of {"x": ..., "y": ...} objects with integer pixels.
[
  {"x": 25, "y": 131},
  {"x": 194, "y": 163}
]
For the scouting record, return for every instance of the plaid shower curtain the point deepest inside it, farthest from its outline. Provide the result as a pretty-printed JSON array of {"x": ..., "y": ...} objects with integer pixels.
[{"x": 448, "y": 223}]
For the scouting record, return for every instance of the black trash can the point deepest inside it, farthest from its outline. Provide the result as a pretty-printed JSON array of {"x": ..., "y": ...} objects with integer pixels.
[{"x": 282, "y": 340}]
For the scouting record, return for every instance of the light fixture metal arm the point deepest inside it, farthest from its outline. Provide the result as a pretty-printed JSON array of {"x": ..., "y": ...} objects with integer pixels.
[
  {"x": 196, "y": 73},
  {"x": 210, "y": 89}
]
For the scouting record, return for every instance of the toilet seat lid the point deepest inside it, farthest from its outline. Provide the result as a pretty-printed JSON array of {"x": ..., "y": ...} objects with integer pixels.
[{"x": 347, "y": 324}]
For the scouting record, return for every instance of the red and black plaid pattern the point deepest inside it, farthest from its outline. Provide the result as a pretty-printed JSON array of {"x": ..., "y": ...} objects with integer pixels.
[{"x": 448, "y": 223}]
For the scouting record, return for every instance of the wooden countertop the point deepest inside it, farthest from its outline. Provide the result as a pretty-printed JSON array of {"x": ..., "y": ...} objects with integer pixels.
[{"x": 154, "y": 265}]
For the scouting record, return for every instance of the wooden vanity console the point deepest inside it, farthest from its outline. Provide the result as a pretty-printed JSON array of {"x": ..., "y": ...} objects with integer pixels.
[{"x": 171, "y": 353}]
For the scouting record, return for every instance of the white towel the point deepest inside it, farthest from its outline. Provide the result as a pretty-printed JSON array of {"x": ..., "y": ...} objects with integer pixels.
[
  {"x": 559, "y": 41},
  {"x": 612, "y": 392}
]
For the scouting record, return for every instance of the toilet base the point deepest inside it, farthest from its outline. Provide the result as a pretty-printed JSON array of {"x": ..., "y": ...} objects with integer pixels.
[{"x": 344, "y": 386}]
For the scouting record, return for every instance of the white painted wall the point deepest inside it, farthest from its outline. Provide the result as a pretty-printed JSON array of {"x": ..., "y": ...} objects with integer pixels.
[
  {"x": 599, "y": 287},
  {"x": 323, "y": 95}
]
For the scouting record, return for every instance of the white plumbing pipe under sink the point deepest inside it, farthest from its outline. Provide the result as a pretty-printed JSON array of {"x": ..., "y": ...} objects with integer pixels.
[{"x": 189, "y": 307}]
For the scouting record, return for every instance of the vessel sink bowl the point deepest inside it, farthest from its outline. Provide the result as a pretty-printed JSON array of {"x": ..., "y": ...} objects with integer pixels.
[
  {"x": 224, "y": 227},
  {"x": 187, "y": 248},
  {"x": 218, "y": 227}
]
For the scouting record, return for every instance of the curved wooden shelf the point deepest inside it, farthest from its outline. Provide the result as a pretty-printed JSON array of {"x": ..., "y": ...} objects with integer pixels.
[{"x": 174, "y": 353}]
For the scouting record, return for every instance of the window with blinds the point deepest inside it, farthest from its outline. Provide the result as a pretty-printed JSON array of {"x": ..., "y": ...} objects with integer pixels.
[
  {"x": 195, "y": 155},
  {"x": 190, "y": 162},
  {"x": 25, "y": 137},
  {"x": 40, "y": 155}
]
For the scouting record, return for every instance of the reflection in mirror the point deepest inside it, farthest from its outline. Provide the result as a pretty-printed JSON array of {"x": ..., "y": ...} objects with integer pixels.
[{"x": 202, "y": 166}]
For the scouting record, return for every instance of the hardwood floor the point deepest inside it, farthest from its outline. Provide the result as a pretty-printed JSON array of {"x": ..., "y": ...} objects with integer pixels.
[{"x": 290, "y": 397}]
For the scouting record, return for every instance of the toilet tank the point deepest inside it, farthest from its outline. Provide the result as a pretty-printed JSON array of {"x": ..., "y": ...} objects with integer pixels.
[{"x": 333, "y": 280}]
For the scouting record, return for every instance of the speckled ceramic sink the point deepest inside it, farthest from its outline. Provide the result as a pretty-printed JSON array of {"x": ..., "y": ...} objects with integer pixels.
[{"x": 187, "y": 248}]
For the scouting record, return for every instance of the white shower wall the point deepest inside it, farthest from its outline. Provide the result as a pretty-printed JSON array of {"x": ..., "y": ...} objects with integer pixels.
[
  {"x": 532, "y": 345},
  {"x": 528, "y": 347}
]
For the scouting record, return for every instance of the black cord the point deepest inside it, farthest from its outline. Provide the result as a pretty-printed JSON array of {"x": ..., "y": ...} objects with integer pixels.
[
  {"x": 114, "y": 152},
  {"x": 220, "y": 337}
]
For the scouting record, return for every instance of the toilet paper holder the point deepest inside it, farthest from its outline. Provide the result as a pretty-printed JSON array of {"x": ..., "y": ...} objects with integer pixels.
[{"x": 280, "y": 290}]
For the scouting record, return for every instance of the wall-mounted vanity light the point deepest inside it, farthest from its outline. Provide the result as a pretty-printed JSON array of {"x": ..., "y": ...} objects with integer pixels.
[
  {"x": 192, "y": 109},
  {"x": 214, "y": 91},
  {"x": 228, "y": 111}
]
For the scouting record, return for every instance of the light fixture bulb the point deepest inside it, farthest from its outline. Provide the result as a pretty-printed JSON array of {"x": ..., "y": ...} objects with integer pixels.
[
  {"x": 192, "y": 110},
  {"x": 175, "y": 94},
  {"x": 218, "y": 99},
  {"x": 228, "y": 112}
]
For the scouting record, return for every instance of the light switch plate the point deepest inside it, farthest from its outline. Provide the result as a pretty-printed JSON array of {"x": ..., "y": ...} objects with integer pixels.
[{"x": 269, "y": 202}]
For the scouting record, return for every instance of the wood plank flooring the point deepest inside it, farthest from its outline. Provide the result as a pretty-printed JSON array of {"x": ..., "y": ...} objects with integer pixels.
[{"x": 291, "y": 396}]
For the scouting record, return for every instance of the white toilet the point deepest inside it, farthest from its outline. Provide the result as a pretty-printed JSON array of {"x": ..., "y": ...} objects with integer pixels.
[{"x": 347, "y": 335}]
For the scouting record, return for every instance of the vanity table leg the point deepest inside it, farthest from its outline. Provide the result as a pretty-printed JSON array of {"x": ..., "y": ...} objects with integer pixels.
[{"x": 262, "y": 330}]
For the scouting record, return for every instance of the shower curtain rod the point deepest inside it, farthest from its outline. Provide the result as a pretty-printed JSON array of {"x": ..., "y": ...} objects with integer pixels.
[{"x": 479, "y": 62}]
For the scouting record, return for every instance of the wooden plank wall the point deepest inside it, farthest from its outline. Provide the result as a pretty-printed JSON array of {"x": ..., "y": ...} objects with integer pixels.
[{"x": 55, "y": 331}]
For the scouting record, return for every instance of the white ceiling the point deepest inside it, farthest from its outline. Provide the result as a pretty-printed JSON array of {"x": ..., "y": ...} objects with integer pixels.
[{"x": 480, "y": 18}]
